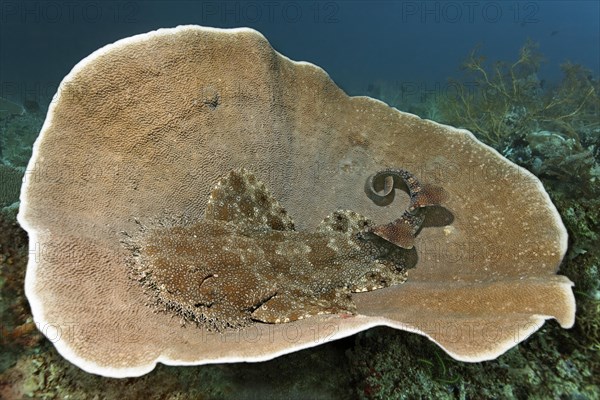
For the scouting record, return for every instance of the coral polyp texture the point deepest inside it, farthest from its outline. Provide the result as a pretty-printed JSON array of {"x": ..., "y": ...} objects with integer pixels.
[{"x": 135, "y": 215}]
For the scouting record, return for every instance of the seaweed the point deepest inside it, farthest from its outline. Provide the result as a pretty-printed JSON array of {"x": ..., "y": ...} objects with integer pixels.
[{"x": 508, "y": 99}]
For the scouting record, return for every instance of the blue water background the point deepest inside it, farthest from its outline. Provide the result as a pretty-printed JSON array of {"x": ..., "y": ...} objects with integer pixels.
[{"x": 356, "y": 42}]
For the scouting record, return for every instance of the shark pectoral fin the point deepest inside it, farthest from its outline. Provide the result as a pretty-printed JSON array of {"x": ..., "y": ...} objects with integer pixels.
[
  {"x": 294, "y": 306},
  {"x": 241, "y": 198}
]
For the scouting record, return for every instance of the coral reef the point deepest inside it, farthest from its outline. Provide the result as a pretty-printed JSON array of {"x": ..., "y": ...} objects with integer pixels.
[
  {"x": 397, "y": 365},
  {"x": 18, "y": 335},
  {"x": 18, "y": 130},
  {"x": 17, "y": 134},
  {"x": 10, "y": 184},
  {"x": 302, "y": 140},
  {"x": 582, "y": 219},
  {"x": 379, "y": 363}
]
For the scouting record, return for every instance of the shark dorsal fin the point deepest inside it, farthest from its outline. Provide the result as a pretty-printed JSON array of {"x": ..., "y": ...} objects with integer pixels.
[{"x": 240, "y": 198}]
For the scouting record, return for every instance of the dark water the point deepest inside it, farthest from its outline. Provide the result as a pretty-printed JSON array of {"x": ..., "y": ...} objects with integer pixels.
[{"x": 356, "y": 42}]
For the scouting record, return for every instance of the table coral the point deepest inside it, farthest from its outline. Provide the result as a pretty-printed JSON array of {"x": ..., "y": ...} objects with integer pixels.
[{"x": 136, "y": 150}]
